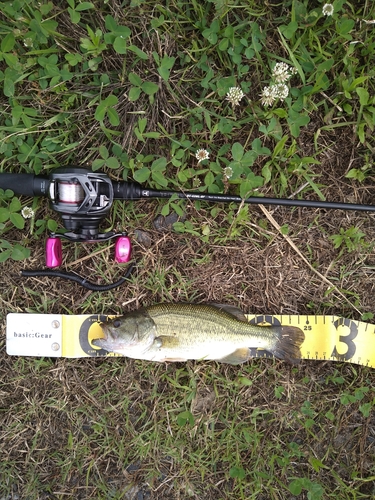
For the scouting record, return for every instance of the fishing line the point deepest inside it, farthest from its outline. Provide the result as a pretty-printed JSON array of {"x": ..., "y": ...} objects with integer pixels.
[{"x": 70, "y": 192}]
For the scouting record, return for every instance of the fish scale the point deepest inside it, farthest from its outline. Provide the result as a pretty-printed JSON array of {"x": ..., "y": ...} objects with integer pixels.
[{"x": 221, "y": 327}]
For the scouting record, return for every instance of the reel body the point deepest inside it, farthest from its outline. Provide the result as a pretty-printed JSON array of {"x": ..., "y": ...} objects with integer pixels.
[{"x": 83, "y": 199}]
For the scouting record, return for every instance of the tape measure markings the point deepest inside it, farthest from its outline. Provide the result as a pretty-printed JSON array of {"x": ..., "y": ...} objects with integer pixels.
[{"x": 331, "y": 338}]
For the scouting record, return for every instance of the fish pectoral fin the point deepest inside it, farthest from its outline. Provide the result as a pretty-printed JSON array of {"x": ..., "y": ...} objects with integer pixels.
[
  {"x": 166, "y": 341},
  {"x": 161, "y": 341},
  {"x": 235, "y": 358}
]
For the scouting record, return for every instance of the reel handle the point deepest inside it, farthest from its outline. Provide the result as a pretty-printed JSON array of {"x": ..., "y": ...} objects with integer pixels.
[{"x": 123, "y": 250}]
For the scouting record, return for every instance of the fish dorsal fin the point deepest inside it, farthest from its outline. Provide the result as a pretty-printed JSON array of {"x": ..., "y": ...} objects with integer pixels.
[
  {"x": 232, "y": 310},
  {"x": 237, "y": 357}
]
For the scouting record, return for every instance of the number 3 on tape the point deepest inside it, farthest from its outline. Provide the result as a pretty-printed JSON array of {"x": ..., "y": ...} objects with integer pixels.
[{"x": 346, "y": 337}]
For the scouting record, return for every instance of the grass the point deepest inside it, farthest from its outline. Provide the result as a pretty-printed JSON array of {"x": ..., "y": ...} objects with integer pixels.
[{"x": 135, "y": 89}]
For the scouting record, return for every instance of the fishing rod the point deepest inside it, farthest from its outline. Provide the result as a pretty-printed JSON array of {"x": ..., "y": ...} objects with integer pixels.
[{"x": 84, "y": 198}]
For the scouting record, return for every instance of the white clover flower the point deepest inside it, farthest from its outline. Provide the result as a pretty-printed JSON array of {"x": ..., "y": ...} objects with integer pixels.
[
  {"x": 28, "y": 42},
  {"x": 234, "y": 96},
  {"x": 27, "y": 213},
  {"x": 328, "y": 9},
  {"x": 202, "y": 154},
  {"x": 228, "y": 172},
  {"x": 280, "y": 91},
  {"x": 273, "y": 92},
  {"x": 267, "y": 96},
  {"x": 281, "y": 72}
]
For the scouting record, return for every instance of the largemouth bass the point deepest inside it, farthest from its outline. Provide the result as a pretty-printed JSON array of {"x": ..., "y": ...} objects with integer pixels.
[{"x": 178, "y": 332}]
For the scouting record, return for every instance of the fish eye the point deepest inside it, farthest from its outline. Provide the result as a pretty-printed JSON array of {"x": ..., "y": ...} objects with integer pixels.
[{"x": 117, "y": 323}]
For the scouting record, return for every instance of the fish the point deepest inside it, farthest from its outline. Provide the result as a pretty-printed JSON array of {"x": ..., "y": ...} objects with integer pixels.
[{"x": 173, "y": 332}]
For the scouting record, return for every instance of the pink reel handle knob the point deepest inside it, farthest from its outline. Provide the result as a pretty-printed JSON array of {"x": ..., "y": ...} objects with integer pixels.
[
  {"x": 53, "y": 252},
  {"x": 123, "y": 249}
]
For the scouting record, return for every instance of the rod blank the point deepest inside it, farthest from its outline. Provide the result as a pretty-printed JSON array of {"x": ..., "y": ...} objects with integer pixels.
[{"x": 255, "y": 200}]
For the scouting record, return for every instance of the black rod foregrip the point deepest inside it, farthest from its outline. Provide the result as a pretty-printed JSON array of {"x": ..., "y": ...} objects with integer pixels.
[
  {"x": 126, "y": 190},
  {"x": 25, "y": 184}
]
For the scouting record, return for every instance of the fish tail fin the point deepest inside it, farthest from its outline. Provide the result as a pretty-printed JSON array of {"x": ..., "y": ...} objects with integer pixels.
[{"x": 288, "y": 344}]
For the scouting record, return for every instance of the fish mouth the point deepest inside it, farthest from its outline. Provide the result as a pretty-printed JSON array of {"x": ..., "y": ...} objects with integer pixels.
[
  {"x": 98, "y": 342},
  {"x": 101, "y": 341},
  {"x": 104, "y": 328},
  {"x": 110, "y": 340}
]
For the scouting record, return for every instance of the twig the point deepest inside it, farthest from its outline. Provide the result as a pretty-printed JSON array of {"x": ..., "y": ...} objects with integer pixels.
[{"x": 296, "y": 249}]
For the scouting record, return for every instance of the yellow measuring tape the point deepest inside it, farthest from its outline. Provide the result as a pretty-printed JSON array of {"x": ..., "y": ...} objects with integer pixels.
[
  {"x": 330, "y": 337},
  {"x": 326, "y": 337}
]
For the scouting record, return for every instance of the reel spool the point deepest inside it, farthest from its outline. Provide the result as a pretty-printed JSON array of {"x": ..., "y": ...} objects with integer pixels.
[{"x": 70, "y": 192}]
